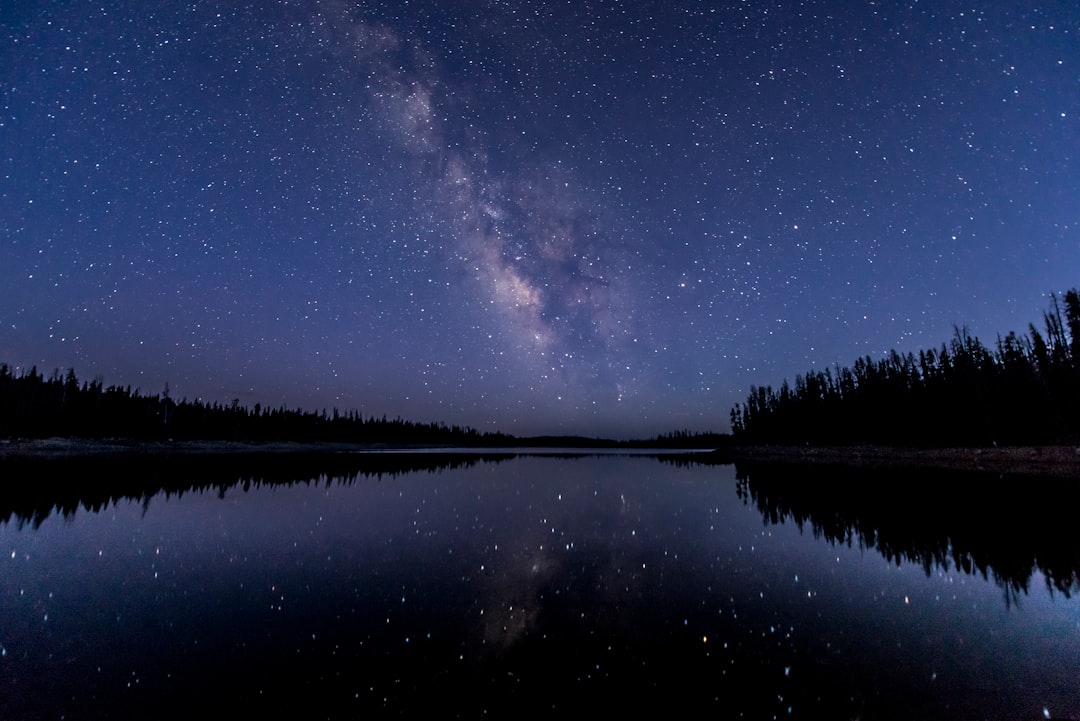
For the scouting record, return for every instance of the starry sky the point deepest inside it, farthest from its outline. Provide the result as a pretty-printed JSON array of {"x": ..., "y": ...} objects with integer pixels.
[{"x": 596, "y": 217}]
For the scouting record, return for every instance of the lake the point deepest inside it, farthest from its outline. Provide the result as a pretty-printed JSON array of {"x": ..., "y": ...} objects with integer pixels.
[{"x": 461, "y": 585}]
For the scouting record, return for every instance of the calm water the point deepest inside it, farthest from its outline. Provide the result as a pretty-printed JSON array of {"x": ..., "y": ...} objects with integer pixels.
[{"x": 464, "y": 586}]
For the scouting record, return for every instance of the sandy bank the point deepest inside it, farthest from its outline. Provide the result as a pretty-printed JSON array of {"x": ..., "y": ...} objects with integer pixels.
[{"x": 1040, "y": 460}]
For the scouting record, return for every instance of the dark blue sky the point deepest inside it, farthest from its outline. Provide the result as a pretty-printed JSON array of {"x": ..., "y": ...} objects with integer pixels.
[{"x": 607, "y": 218}]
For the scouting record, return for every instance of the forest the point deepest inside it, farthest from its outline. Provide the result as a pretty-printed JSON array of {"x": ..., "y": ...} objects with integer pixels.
[
  {"x": 1023, "y": 390},
  {"x": 60, "y": 405},
  {"x": 33, "y": 406}
]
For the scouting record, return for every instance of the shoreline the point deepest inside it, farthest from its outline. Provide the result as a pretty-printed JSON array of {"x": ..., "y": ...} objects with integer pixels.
[
  {"x": 1055, "y": 460},
  {"x": 57, "y": 447}
]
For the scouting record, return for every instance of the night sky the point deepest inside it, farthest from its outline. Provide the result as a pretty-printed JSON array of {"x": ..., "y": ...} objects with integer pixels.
[{"x": 606, "y": 218}]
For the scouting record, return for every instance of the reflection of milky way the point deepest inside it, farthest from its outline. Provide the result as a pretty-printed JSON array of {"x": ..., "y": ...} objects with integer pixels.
[
  {"x": 581, "y": 563},
  {"x": 529, "y": 243},
  {"x": 513, "y": 598}
]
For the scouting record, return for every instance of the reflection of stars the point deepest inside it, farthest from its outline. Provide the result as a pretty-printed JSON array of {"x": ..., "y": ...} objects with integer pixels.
[{"x": 514, "y": 595}]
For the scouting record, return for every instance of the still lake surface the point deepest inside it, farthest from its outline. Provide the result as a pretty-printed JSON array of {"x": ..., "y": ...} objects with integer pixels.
[{"x": 464, "y": 585}]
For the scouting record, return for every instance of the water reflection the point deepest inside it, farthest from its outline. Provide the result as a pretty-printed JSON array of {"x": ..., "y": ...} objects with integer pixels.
[
  {"x": 1005, "y": 528},
  {"x": 467, "y": 586},
  {"x": 34, "y": 488}
]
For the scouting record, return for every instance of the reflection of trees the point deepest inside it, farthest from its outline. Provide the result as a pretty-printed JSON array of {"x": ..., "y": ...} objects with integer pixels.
[
  {"x": 34, "y": 488},
  {"x": 1004, "y": 528}
]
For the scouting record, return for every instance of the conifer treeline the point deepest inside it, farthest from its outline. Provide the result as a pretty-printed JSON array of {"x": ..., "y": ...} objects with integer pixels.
[
  {"x": 1024, "y": 390},
  {"x": 33, "y": 406}
]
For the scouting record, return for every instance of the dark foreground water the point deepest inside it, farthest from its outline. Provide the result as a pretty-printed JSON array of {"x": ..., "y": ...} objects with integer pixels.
[{"x": 505, "y": 586}]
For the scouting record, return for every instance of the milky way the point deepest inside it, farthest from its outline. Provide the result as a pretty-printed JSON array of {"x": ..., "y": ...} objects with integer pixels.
[{"x": 590, "y": 217}]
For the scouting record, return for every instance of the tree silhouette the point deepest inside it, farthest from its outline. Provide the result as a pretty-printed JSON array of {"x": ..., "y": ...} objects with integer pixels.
[
  {"x": 1022, "y": 391},
  {"x": 32, "y": 406}
]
